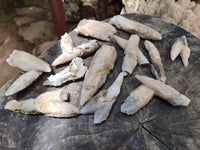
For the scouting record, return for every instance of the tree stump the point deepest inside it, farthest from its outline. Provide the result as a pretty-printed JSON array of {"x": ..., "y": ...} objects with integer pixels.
[{"x": 156, "y": 126}]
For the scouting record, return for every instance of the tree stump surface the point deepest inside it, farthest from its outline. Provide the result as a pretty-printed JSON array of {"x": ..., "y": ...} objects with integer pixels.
[{"x": 156, "y": 126}]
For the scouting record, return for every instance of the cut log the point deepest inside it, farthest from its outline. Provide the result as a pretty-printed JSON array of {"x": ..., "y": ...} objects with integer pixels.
[{"x": 156, "y": 126}]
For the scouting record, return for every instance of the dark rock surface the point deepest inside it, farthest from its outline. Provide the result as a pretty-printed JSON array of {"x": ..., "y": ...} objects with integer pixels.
[
  {"x": 30, "y": 11},
  {"x": 157, "y": 126},
  {"x": 37, "y": 32},
  {"x": 23, "y": 20}
]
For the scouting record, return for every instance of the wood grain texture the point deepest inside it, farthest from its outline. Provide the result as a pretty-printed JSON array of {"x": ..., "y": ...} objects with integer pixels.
[{"x": 156, "y": 126}]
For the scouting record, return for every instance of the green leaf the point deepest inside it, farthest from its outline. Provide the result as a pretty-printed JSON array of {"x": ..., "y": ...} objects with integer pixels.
[{"x": 131, "y": 5}]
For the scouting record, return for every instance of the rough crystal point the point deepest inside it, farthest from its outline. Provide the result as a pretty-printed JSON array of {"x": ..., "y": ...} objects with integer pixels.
[
  {"x": 27, "y": 62},
  {"x": 101, "y": 104},
  {"x": 134, "y": 27},
  {"x": 131, "y": 54},
  {"x": 75, "y": 70},
  {"x": 95, "y": 77},
  {"x": 66, "y": 43},
  {"x": 50, "y": 103},
  {"x": 22, "y": 82},
  {"x": 181, "y": 47},
  {"x": 137, "y": 99},
  {"x": 141, "y": 59},
  {"x": 157, "y": 67},
  {"x": 97, "y": 29},
  {"x": 79, "y": 51},
  {"x": 164, "y": 91}
]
